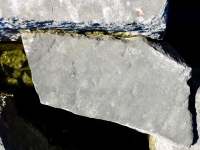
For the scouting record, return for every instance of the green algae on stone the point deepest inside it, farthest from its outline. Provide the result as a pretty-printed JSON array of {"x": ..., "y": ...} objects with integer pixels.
[
  {"x": 94, "y": 33},
  {"x": 14, "y": 59},
  {"x": 14, "y": 69},
  {"x": 50, "y": 31},
  {"x": 26, "y": 79},
  {"x": 121, "y": 35},
  {"x": 16, "y": 73},
  {"x": 12, "y": 81}
]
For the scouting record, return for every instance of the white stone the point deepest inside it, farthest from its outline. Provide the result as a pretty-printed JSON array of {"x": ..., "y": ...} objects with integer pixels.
[{"x": 132, "y": 82}]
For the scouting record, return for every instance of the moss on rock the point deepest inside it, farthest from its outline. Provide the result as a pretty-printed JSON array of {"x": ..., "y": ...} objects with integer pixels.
[
  {"x": 14, "y": 69},
  {"x": 13, "y": 59}
]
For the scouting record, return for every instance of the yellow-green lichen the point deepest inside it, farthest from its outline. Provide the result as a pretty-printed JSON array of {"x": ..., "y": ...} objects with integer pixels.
[
  {"x": 118, "y": 35},
  {"x": 12, "y": 81},
  {"x": 26, "y": 79},
  {"x": 13, "y": 59},
  {"x": 94, "y": 33},
  {"x": 49, "y": 31},
  {"x": 151, "y": 142},
  {"x": 121, "y": 35},
  {"x": 14, "y": 69}
]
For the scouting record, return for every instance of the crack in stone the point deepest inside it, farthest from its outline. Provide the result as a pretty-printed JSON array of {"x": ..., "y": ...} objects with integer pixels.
[{"x": 194, "y": 84}]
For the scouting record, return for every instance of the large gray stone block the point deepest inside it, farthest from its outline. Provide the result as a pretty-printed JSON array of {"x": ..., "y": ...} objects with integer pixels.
[
  {"x": 132, "y": 82},
  {"x": 141, "y": 17}
]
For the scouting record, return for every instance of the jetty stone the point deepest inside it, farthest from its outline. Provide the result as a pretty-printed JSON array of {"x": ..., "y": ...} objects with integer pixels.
[
  {"x": 140, "y": 17},
  {"x": 133, "y": 82}
]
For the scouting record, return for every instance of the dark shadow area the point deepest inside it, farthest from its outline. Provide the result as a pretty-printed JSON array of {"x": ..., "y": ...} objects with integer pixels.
[
  {"x": 194, "y": 83},
  {"x": 183, "y": 26},
  {"x": 70, "y": 131},
  {"x": 186, "y": 43}
]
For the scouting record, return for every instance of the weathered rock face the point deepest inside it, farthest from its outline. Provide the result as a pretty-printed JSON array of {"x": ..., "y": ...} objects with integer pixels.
[
  {"x": 132, "y": 82},
  {"x": 160, "y": 144},
  {"x": 140, "y": 17}
]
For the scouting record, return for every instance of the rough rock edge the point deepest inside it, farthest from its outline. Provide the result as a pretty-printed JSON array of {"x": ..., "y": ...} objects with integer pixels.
[
  {"x": 10, "y": 28},
  {"x": 154, "y": 28}
]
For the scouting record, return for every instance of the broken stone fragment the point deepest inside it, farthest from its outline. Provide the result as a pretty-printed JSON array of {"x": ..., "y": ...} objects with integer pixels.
[
  {"x": 146, "y": 18},
  {"x": 132, "y": 82}
]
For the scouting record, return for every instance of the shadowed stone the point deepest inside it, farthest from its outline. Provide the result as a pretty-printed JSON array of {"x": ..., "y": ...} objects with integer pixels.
[
  {"x": 132, "y": 82},
  {"x": 141, "y": 17}
]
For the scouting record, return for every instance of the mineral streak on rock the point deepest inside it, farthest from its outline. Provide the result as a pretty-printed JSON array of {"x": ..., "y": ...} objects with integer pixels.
[
  {"x": 132, "y": 82},
  {"x": 147, "y": 18}
]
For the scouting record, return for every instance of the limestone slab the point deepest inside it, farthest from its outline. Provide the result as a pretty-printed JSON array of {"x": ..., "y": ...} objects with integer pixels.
[
  {"x": 141, "y": 17},
  {"x": 132, "y": 82}
]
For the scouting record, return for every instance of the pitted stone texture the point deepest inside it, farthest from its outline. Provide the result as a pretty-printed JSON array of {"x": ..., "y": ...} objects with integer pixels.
[
  {"x": 146, "y": 18},
  {"x": 132, "y": 82}
]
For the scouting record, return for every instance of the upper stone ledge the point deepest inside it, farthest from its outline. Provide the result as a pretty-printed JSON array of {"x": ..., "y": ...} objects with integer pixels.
[{"x": 146, "y": 18}]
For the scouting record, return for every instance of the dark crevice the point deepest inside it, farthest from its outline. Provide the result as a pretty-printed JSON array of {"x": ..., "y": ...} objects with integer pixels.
[
  {"x": 194, "y": 85},
  {"x": 70, "y": 131}
]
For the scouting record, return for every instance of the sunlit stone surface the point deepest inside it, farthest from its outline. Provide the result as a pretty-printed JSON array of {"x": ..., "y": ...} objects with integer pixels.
[
  {"x": 132, "y": 82},
  {"x": 146, "y": 18},
  {"x": 160, "y": 144}
]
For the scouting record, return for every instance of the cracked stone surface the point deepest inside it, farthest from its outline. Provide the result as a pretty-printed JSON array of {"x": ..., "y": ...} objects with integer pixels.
[
  {"x": 140, "y": 17},
  {"x": 124, "y": 81}
]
